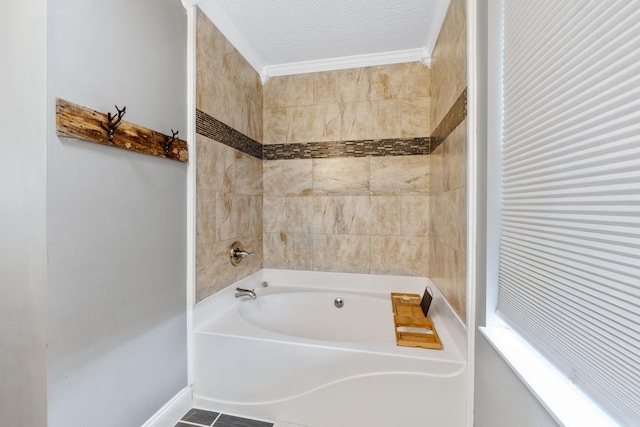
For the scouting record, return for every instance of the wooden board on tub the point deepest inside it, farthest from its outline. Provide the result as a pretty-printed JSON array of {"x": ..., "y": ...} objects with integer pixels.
[{"x": 413, "y": 328}]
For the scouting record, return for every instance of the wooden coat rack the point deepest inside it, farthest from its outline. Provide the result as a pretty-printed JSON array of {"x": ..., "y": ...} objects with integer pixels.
[{"x": 76, "y": 121}]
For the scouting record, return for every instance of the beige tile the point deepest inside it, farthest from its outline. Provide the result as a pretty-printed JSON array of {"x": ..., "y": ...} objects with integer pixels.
[
  {"x": 314, "y": 123},
  {"x": 398, "y": 255},
  {"x": 237, "y": 69},
  {"x": 254, "y": 222},
  {"x": 437, "y": 265},
  {"x": 343, "y": 253},
  {"x": 288, "y": 251},
  {"x": 256, "y": 125},
  {"x": 220, "y": 98},
  {"x": 209, "y": 44},
  {"x": 274, "y": 250},
  {"x": 438, "y": 175},
  {"x": 455, "y": 158},
  {"x": 298, "y": 217},
  {"x": 248, "y": 174},
  {"x": 288, "y": 91},
  {"x": 338, "y": 86},
  {"x": 352, "y": 214},
  {"x": 238, "y": 215},
  {"x": 448, "y": 62},
  {"x": 448, "y": 218},
  {"x": 453, "y": 283},
  {"x": 448, "y": 273},
  {"x": 387, "y": 81},
  {"x": 415, "y": 216},
  {"x": 215, "y": 170},
  {"x": 386, "y": 214},
  {"x": 400, "y": 175},
  {"x": 372, "y": 120},
  {"x": 274, "y": 214},
  {"x": 216, "y": 271},
  {"x": 417, "y": 82},
  {"x": 287, "y": 177},
  {"x": 275, "y": 126},
  {"x": 341, "y": 176},
  {"x": 326, "y": 87},
  {"x": 415, "y": 117},
  {"x": 205, "y": 217},
  {"x": 224, "y": 215},
  {"x": 239, "y": 112}
]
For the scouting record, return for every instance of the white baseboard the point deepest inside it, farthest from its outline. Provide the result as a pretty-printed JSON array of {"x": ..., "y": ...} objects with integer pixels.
[{"x": 173, "y": 410}]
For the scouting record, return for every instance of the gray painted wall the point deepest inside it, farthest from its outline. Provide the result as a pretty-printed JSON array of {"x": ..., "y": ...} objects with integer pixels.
[
  {"x": 23, "y": 261},
  {"x": 116, "y": 219},
  {"x": 501, "y": 398}
]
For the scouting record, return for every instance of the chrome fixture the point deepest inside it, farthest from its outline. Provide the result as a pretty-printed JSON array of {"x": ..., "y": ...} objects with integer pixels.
[
  {"x": 339, "y": 302},
  {"x": 251, "y": 293},
  {"x": 237, "y": 253}
]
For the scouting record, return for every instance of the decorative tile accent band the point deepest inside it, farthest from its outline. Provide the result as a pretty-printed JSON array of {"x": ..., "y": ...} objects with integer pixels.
[
  {"x": 363, "y": 148},
  {"x": 451, "y": 120},
  {"x": 215, "y": 129}
]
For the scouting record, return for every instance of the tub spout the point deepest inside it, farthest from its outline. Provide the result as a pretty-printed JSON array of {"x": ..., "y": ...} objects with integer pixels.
[{"x": 240, "y": 292}]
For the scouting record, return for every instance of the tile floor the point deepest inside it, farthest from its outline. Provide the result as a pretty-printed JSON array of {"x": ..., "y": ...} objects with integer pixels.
[{"x": 200, "y": 418}]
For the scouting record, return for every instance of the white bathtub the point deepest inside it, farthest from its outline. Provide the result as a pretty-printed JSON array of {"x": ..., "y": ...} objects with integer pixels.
[{"x": 291, "y": 355}]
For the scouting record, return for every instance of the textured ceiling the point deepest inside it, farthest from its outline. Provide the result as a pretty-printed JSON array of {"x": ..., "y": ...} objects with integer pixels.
[{"x": 274, "y": 32}]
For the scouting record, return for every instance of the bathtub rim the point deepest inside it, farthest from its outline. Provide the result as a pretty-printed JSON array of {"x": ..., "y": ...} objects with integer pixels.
[{"x": 216, "y": 305}]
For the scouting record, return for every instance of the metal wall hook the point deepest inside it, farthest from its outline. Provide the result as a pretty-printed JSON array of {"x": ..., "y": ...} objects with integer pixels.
[
  {"x": 114, "y": 122},
  {"x": 168, "y": 140}
]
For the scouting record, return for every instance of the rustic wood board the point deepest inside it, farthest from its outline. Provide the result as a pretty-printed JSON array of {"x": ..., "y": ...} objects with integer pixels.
[
  {"x": 408, "y": 314},
  {"x": 76, "y": 121}
]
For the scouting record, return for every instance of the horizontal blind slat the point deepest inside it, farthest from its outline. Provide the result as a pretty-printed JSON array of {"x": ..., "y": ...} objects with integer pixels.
[{"x": 569, "y": 261}]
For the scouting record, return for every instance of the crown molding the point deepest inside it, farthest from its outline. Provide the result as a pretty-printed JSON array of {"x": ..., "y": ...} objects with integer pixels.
[
  {"x": 230, "y": 31},
  {"x": 345, "y": 62},
  {"x": 189, "y": 3},
  {"x": 436, "y": 26}
]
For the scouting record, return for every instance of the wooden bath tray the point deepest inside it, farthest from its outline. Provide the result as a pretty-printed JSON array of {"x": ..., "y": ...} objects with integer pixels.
[{"x": 413, "y": 328}]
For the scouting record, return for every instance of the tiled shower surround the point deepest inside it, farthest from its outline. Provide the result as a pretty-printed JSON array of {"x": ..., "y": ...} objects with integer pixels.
[
  {"x": 325, "y": 203},
  {"x": 448, "y": 191}
]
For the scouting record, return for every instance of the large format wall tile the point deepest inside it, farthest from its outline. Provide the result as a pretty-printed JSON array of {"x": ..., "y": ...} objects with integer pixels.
[
  {"x": 372, "y": 120},
  {"x": 341, "y": 176},
  {"x": 313, "y": 123},
  {"x": 227, "y": 87},
  {"x": 383, "y": 102},
  {"x": 229, "y": 208},
  {"x": 400, "y": 175},
  {"x": 341, "y": 209},
  {"x": 387, "y": 215},
  {"x": 448, "y": 211},
  {"x": 228, "y": 182},
  {"x": 288, "y": 91},
  {"x": 287, "y": 177},
  {"x": 343, "y": 253},
  {"x": 448, "y": 218},
  {"x": 449, "y": 62},
  {"x": 400, "y": 255}
]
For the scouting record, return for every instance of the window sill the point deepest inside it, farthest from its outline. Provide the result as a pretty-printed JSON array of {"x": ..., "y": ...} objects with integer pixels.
[{"x": 565, "y": 402}]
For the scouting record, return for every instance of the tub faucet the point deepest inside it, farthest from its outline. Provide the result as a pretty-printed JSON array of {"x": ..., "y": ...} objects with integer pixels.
[{"x": 240, "y": 292}]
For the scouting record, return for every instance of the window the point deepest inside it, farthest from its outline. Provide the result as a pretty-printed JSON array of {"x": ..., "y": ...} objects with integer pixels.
[{"x": 569, "y": 209}]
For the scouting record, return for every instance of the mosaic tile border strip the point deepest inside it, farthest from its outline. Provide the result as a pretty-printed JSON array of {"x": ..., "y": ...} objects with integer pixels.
[
  {"x": 215, "y": 129},
  {"x": 451, "y": 120},
  {"x": 362, "y": 148}
]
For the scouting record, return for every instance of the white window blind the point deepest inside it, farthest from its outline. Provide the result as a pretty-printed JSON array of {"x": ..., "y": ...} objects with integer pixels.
[{"x": 569, "y": 266}]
